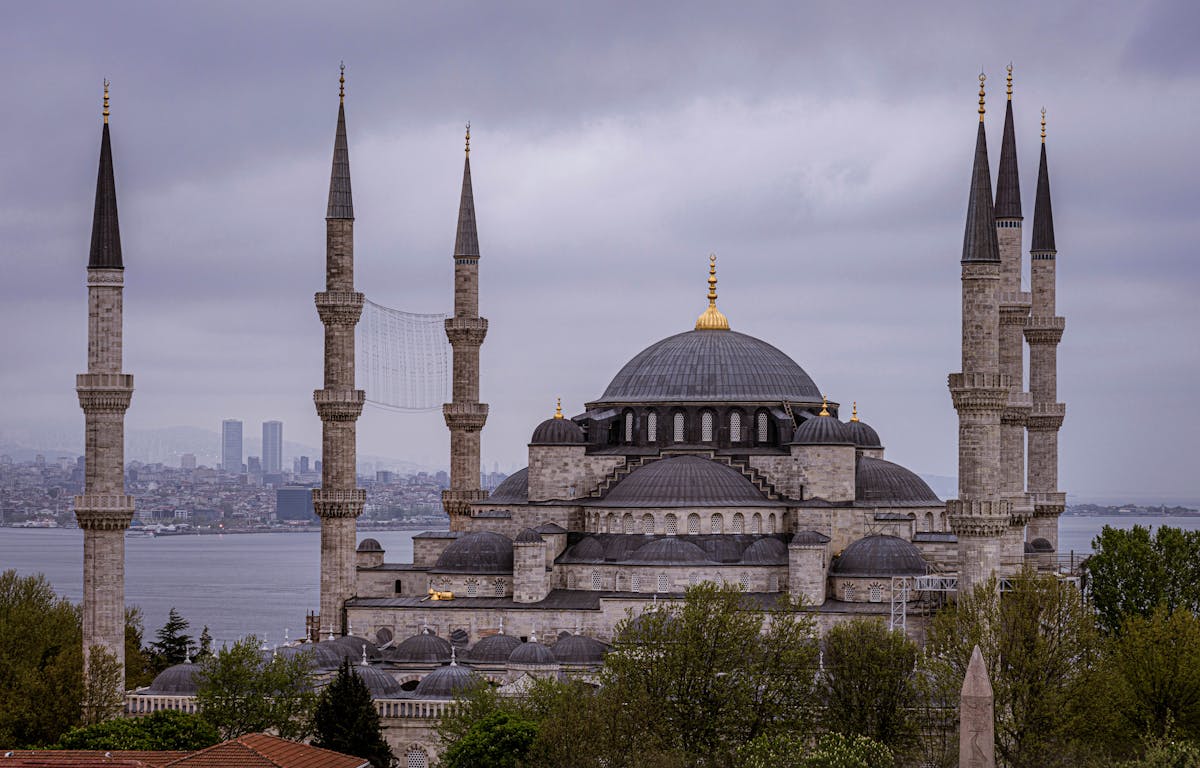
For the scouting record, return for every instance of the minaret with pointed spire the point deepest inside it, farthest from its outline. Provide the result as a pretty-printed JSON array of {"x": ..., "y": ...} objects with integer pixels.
[
  {"x": 1014, "y": 310},
  {"x": 104, "y": 511},
  {"x": 1043, "y": 332},
  {"x": 980, "y": 515},
  {"x": 465, "y": 415},
  {"x": 339, "y": 501}
]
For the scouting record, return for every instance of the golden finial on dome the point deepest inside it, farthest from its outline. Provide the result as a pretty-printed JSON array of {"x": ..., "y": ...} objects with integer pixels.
[
  {"x": 558, "y": 409},
  {"x": 1043, "y": 125},
  {"x": 342, "y": 83},
  {"x": 854, "y": 413},
  {"x": 1010, "y": 81},
  {"x": 824, "y": 406},
  {"x": 106, "y": 104},
  {"x": 712, "y": 319},
  {"x": 468, "y": 137},
  {"x": 982, "y": 78}
]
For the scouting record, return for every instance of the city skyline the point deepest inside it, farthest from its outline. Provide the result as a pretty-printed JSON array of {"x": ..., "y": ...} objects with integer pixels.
[{"x": 836, "y": 176}]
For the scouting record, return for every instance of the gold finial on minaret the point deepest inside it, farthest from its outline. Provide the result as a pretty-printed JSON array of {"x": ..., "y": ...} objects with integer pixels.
[
  {"x": 1010, "y": 81},
  {"x": 712, "y": 319},
  {"x": 342, "y": 83},
  {"x": 854, "y": 413},
  {"x": 1043, "y": 125},
  {"x": 824, "y": 406},
  {"x": 468, "y": 137},
  {"x": 982, "y": 78},
  {"x": 558, "y": 409},
  {"x": 106, "y": 106}
]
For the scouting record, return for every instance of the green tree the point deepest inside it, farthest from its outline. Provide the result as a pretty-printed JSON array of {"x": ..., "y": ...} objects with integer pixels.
[
  {"x": 1133, "y": 572},
  {"x": 206, "y": 642},
  {"x": 868, "y": 683},
  {"x": 139, "y": 670},
  {"x": 103, "y": 690},
  {"x": 1162, "y": 752},
  {"x": 345, "y": 720},
  {"x": 173, "y": 645},
  {"x": 1039, "y": 642},
  {"x": 166, "y": 730},
  {"x": 500, "y": 740},
  {"x": 240, "y": 692},
  {"x": 832, "y": 750}
]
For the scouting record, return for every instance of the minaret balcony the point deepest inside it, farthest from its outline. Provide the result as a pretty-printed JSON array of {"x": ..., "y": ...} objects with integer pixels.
[
  {"x": 1015, "y": 301},
  {"x": 339, "y": 307},
  {"x": 104, "y": 392},
  {"x": 467, "y": 416},
  {"x": 338, "y": 502},
  {"x": 1048, "y": 503},
  {"x": 339, "y": 404},
  {"x": 979, "y": 391},
  {"x": 104, "y": 511},
  {"x": 978, "y": 517},
  {"x": 1046, "y": 416},
  {"x": 1044, "y": 330},
  {"x": 468, "y": 331}
]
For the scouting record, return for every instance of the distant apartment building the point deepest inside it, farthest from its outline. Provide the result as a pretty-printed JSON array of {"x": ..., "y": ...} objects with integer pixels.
[
  {"x": 254, "y": 465},
  {"x": 187, "y": 461},
  {"x": 272, "y": 451},
  {"x": 294, "y": 502},
  {"x": 231, "y": 445},
  {"x": 300, "y": 465}
]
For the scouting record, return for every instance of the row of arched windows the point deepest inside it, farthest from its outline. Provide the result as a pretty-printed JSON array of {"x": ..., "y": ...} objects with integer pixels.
[
  {"x": 707, "y": 427},
  {"x": 662, "y": 582},
  {"x": 648, "y": 523}
]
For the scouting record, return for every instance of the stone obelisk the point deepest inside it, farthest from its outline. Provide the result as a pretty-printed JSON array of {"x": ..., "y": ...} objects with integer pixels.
[{"x": 977, "y": 717}]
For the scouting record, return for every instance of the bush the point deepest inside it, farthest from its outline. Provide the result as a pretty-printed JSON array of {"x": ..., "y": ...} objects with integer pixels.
[{"x": 166, "y": 730}]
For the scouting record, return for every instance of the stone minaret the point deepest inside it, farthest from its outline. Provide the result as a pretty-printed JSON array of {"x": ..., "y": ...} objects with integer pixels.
[
  {"x": 465, "y": 416},
  {"x": 980, "y": 515},
  {"x": 104, "y": 510},
  {"x": 338, "y": 502},
  {"x": 1014, "y": 311},
  {"x": 1044, "y": 331}
]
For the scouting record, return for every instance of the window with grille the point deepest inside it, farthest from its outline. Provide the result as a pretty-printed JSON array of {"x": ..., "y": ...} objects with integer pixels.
[
  {"x": 472, "y": 588},
  {"x": 694, "y": 524},
  {"x": 415, "y": 758},
  {"x": 773, "y": 584},
  {"x": 762, "y": 426},
  {"x": 610, "y": 523},
  {"x": 771, "y": 520},
  {"x": 636, "y": 583},
  {"x": 693, "y": 580},
  {"x": 848, "y": 592},
  {"x": 570, "y": 581},
  {"x": 651, "y": 426},
  {"x": 498, "y": 588},
  {"x": 672, "y": 525},
  {"x": 875, "y": 592},
  {"x": 629, "y": 427},
  {"x": 662, "y": 583},
  {"x": 744, "y": 582},
  {"x": 627, "y": 523},
  {"x": 715, "y": 524},
  {"x": 678, "y": 436},
  {"x": 647, "y": 523},
  {"x": 706, "y": 426},
  {"x": 735, "y": 427},
  {"x": 596, "y": 580},
  {"x": 739, "y": 523},
  {"x": 756, "y": 523}
]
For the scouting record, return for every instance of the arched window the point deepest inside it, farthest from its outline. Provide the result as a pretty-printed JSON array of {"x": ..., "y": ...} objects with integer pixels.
[
  {"x": 735, "y": 427},
  {"x": 498, "y": 588},
  {"x": 629, "y": 426},
  {"x": 848, "y": 593},
  {"x": 647, "y": 523},
  {"x": 472, "y": 588},
  {"x": 744, "y": 582},
  {"x": 596, "y": 580},
  {"x": 875, "y": 592},
  {"x": 570, "y": 581},
  {"x": 416, "y": 758},
  {"x": 716, "y": 524},
  {"x": 678, "y": 428},
  {"x": 739, "y": 523},
  {"x": 672, "y": 524},
  {"x": 771, "y": 523},
  {"x": 773, "y": 584},
  {"x": 627, "y": 523},
  {"x": 693, "y": 524},
  {"x": 652, "y": 427},
  {"x": 662, "y": 582},
  {"x": 610, "y": 523},
  {"x": 929, "y": 521},
  {"x": 762, "y": 427},
  {"x": 756, "y": 523},
  {"x": 636, "y": 583},
  {"x": 706, "y": 427}
]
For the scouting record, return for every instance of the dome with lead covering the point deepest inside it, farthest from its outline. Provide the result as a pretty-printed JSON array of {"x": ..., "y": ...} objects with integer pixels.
[
  {"x": 514, "y": 489},
  {"x": 685, "y": 481},
  {"x": 579, "y": 649},
  {"x": 557, "y": 431},
  {"x": 891, "y": 485},
  {"x": 768, "y": 551},
  {"x": 494, "y": 649},
  {"x": 669, "y": 550},
  {"x": 711, "y": 366},
  {"x": 863, "y": 435},
  {"x": 369, "y": 545},
  {"x": 422, "y": 648},
  {"x": 880, "y": 555},
  {"x": 379, "y": 683},
  {"x": 821, "y": 430},
  {"x": 445, "y": 682},
  {"x": 531, "y": 652},
  {"x": 179, "y": 679},
  {"x": 589, "y": 548},
  {"x": 477, "y": 552}
]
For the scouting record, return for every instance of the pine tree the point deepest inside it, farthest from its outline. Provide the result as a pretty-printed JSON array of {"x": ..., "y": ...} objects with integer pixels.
[
  {"x": 206, "y": 640},
  {"x": 345, "y": 720},
  {"x": 172, "y": 645}
]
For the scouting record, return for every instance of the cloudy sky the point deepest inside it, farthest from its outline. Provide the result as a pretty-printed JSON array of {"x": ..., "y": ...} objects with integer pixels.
[{"x": 823, "y": 154}]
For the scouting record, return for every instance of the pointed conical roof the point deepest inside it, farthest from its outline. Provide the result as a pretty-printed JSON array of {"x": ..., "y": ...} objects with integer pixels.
[
  {"x": 979, "y": 241},
  {"x": 466, "y": 241},
  {"x": 106, "y": 232},
  {"x": 1043, "y": 217},
  {"x": 1008, "y": 183},
  {"x": 341, "y": 202}
]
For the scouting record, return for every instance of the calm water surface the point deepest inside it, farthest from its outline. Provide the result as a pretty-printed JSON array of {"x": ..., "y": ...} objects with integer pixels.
[{"x": 264, "y": 583}]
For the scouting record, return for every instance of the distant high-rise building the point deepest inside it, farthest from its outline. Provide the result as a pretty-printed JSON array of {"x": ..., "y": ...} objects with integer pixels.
[
  {"x": 187, "y": 461},
  {"x": 303, "y": 465},
  {"x": 294, "y": 502},
  {"x": 272, "y": 451},
  {"x": 254, "y": 465},
  {"x": 231, "y": 445}
]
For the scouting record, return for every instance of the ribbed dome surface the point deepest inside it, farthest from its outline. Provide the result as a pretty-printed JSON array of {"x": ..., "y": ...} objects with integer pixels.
[
  {"x": 555, "y": 431},
  {"x": 768, "y": 551},
  {"x": 477, "y": 552},
  {"x": 587, "y": 549},
  {"x": 181, "y": 679},
  {"x": 822, "y": 430},
  {"x": 379, "y": 683},
  {"x": 423, "y": 648},
  {"x": 880, "y": 555},
  {"x": 670, "y": 549},
  {"x": 528, "y": 536},
  {"x": 445, "y": 682},
  {"x": 711, "y": 366},
  {"x": 685, "y": 481},
  {"x": 494, "y": 649},
  {"x": 532, "y": 652},
  {"x": 863, "y": 435},
  {"x": 513, "y": 490},
  {"x": 369, "y": 545},
  {"x": 579, "y": 649},
  {"x": 889, "y": 484}
]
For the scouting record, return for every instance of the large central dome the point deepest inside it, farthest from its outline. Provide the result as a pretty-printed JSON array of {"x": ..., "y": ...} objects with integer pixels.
[{"x": 711, "y": 366}]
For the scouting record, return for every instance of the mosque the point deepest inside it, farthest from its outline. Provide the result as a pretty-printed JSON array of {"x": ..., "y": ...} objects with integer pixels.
[{"x": 710, "y": 456}]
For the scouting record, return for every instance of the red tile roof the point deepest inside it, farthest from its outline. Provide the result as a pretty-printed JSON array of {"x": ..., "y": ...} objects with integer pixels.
[
  {"x": 258, "y": 750},
  {"x": 86, "y": 758}
]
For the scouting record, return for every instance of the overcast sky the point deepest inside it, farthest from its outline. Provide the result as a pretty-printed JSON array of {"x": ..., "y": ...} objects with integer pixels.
[{"x": 823, "y": 154}]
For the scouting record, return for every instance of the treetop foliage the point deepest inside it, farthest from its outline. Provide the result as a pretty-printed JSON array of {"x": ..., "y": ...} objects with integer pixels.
[{"x": 345, "y": 720}]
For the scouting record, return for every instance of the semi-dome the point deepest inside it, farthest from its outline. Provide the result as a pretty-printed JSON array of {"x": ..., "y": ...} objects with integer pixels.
[
  {"x": 669, "y": 550},
  {"x": 528, "y": 536},
  {"x": 422, "y": 648},
  {"x": 379, "y": 683},
  {"x": 531, "y": 652},
  {"x": 822, "y": 430},
  {"x": 477, "y": 552},
  {"x": 178, "y": 679},
  {"x": 369, "y": 545},
  {"x": 445, "y": 682},
  {"x": 723, "y": 549},
  {"x": 557, "y": 431},
  {"x": 711, "y": 366},
  {"x": 586, "y": 549},
  {"x": 768, "y": 551},
  {"x": 685, "y": 481},
  {"x": 494, "y": 649},
  {"x": 579, "y": 649},
  {"x": 880, "y": 555},
  {"x": 1041, "y": 545},
  {"x": 514, "y": 489},
  {"x": 891, "y": 485}
]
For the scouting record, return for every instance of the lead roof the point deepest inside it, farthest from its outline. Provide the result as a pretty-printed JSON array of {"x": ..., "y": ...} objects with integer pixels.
[
  {"x": 466, "y": 241},
  {"x": 685, "y": 481},
  {"x": 106, "y": 231},
  {"x": 1008, "y": 182},
  {"x": 979, "y": 239},
  {"x": 341, "y": 201},
  {"x": 1043, "y": 216}
]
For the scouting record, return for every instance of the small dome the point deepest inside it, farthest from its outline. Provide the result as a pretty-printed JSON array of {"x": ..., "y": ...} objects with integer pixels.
[
  {"x": 685, "y": 481},
  {"x": 369, "y": 545},
  {"x": 477, "y": 552},
  {"x": 586, "y": 549},
  {"x": 445, "y": 682},
  {"x": 821, "y": 430},
  {"x": 328, "y": 654},
  {"x": 579, "y": 649},
  {"x": 354, "y": 646},
  {"x": 723, "y": 549},
  {"x": 494, "y": 649},
  {"x": 422, "y": 648},
  {"x": 891, "y": 485},
  {"x": 1041, "y": 545},
  {"x": 670, "y": 549},
  {"x": 531, "y": 652},
  {"x": 862, "y": 434},
  {"x": 557, "y": 431},
  {"x": 620, "y": 546},
  {"x": 379, "y": 683},
  {"x": 880, "y": 555},
  {"x": 179, "y": 679},
  {"x": 528, "y": 536},
  {"x": 769, "y": 551},
  {"x": 809, "y": 538},
  {"x": 514, "y": 489}
]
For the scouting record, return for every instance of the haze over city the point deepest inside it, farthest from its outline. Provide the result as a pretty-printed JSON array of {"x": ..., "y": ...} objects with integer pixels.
[{"x": 824, "y": 159}]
